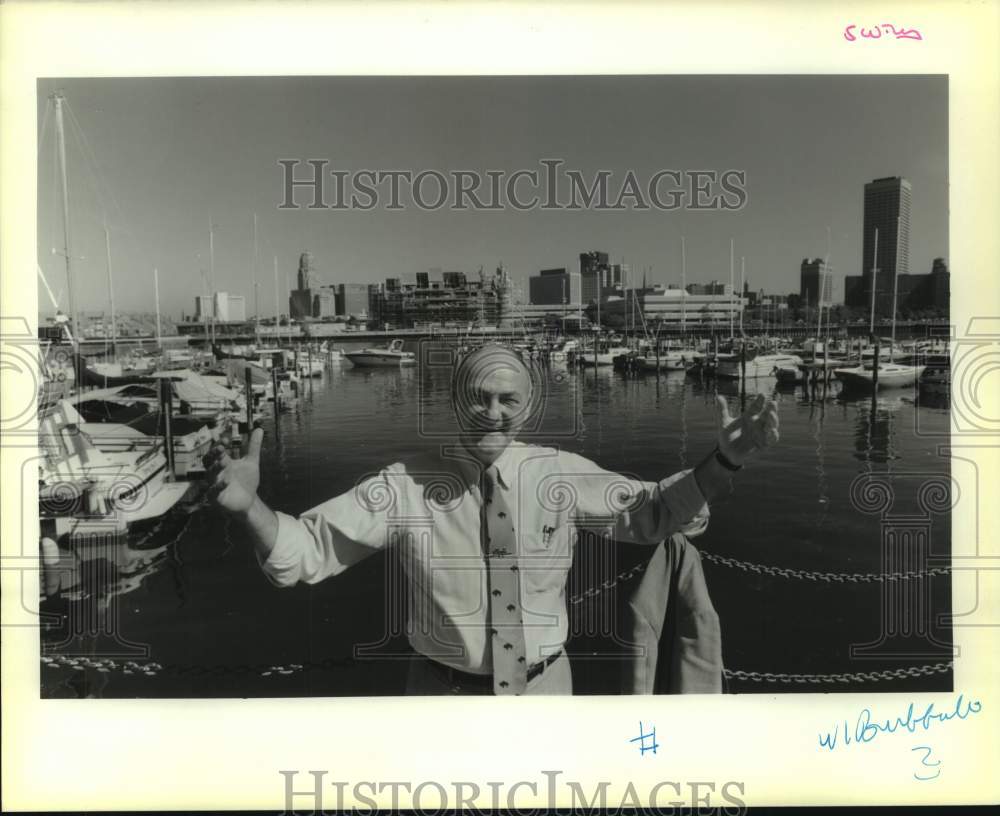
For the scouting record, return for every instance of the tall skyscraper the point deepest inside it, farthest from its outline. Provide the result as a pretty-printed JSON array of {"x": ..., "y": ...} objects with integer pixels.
[
  {"x": 815, "y": 280},
  {"x": 305, "y": 273},
  {"x": 887, "y": 209}
]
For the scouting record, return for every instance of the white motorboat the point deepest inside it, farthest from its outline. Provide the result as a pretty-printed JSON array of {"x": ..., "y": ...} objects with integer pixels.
[
  {"x": 311, "y": 367},
  {"x": 117, "y": 427},
  {"x": 668, "y": 360},
  {"x": 890, "y": 375},
  {"x": 762, "y": 365},
  {"x": 79, "y": 483},
  {"x": 390, "y": 357},
  {"x": 605, "y": 357}
]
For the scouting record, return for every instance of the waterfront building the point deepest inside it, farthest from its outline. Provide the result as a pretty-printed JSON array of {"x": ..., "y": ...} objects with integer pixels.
[
  {"x": 816, "y": 282},
  {"x": 427, "y": 299},
  {"x": 929, "y": 292},
  {"x": 300, "y": 304},
  {"x": 671, "y": 307},
  {"x": 594, "y": 274},
  {"x": 324, "y": 305},
  {"x": 352, "y": 300},
  {"x": 887, "y": 203},
  {"x": 204, "y": 307},
  {"x": 711, "y": 288},
  {"x": 300, "y": 300},
  {"x": 555, "y": 287},
  {"x": 236, "y": 308}
]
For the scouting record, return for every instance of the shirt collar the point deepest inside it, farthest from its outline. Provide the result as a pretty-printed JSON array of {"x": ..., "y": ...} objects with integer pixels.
[{"x": 506, "y": 463}]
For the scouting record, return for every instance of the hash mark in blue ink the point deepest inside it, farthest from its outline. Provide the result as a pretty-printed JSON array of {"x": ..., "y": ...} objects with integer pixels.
[{"x": 647, "y": 742}]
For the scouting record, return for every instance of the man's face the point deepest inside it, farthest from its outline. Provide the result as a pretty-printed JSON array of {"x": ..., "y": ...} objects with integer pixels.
[{"x": 492, "y": 399}]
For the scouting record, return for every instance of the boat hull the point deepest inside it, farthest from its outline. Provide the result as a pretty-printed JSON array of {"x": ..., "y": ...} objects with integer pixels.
[
  {"x": 363, "y": 359},
  {"x": 890, "y": 377},
  {"x": 764, "y": 366}
]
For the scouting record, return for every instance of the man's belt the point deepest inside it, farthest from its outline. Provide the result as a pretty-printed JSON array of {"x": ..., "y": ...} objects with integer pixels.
[{"x": 484, "y": 682}]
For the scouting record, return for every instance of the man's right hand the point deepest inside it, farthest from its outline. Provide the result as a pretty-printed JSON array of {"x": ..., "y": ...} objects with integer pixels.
[{"x": 234, "y": 482}]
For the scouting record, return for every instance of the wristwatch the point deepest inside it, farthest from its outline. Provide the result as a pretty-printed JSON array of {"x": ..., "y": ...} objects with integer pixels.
[{"x": 722, "y": 460}]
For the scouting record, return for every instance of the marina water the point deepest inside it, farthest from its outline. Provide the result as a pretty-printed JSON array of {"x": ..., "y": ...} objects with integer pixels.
[{"x": 186, "y": 611}]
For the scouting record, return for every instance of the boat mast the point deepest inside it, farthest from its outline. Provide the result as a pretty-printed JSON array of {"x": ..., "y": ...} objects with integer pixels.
[
  {"x": 732, "y": 285},
  {"x": 211, "y": 276},
  {"x": 277, "y": 307},
  {"x": 256, "y": 290},
  {"x": 743, "y": 273},
  {"x": 683, "y": 287},
  {"x": 822, "y": 277},
  {"x": 111, "y": 292},
  {"x": 156, "y": 291},
  {"x": 58, "y": 99},
  {"x": 895, "y": 285},
  {"x": 600, "y": 292},
  {"x": 871, "y": 324}
]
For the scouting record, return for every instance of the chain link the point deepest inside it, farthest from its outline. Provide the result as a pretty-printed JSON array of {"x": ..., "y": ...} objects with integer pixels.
[
  {"x": 825, "y": 577},
  {"x": 152, "y": 669},
  {"x": 848, "y": 677},
  {"x": 130, "y": 667},
  {"x": 610, "y": 583}
]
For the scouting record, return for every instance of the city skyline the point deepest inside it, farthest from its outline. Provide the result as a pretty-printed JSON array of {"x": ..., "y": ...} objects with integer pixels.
[{"x": 208, "y": 149}]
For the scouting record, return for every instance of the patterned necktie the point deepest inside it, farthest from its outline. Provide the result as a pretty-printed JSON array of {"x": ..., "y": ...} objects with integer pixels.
[{"x": 506, "y": 629}]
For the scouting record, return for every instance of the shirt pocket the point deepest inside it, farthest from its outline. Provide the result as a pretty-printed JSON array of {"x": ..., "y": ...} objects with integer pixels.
[{"x": 545, "y": 558}]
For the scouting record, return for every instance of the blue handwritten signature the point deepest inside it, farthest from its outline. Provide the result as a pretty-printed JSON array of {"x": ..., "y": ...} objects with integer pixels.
[{"x": 866, "y": 728}]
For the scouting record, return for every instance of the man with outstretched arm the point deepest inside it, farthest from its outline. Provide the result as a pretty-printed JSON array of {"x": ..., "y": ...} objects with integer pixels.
[{"x": 485, "y": 528}]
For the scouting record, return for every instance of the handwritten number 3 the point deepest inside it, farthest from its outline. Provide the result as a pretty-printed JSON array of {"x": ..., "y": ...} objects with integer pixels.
[{"x": 927, "y": 764}]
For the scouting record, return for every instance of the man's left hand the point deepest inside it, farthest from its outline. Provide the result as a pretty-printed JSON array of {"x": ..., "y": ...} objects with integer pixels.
[{"x": 756, "y": 427}]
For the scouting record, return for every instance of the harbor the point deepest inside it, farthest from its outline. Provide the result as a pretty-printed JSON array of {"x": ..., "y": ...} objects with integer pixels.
[
  {"x": 122, "y": 606},
  {"x": 149, "y": 589}
]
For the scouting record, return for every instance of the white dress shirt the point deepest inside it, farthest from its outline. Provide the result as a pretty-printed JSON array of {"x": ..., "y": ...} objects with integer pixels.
[{"x": 429, "y": 506}]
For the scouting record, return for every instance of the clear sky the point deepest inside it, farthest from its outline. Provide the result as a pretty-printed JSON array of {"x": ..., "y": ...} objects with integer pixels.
[{"x": 159, "y": 158}]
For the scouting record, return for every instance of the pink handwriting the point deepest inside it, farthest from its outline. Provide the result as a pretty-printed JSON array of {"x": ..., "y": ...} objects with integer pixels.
[{"x": 877, "y": 31}]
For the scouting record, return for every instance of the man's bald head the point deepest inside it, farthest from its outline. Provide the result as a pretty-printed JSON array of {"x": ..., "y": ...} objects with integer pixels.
[{"x": 492, "y": 395}]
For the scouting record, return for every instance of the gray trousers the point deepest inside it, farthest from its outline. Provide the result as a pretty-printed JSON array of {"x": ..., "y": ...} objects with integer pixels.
[{"x": 424, "y": 679}]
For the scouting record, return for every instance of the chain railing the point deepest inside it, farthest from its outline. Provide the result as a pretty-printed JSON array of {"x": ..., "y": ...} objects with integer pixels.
[
  {"x": 847, "y": 677},
  {"x": 153, "y": 669},
  {"x": 824, "y": 577}
]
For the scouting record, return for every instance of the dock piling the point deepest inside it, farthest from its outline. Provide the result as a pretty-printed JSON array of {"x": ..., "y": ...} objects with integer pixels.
[
  {"x": 166, "y": 407},
  {"x": 875, "y": 362},
  {"x": 248, "y": 385}
]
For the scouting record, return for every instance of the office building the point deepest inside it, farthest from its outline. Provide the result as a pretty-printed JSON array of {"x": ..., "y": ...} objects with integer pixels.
[
  {"x": 204, "y": 307},
  {"x": 306, "y": 272},
  {"x": 594, "y": 275},
  {"x": 236, "y": 308},
  {"x": 300, "y": 301},
  {"x": 352, "y": 300},
  {"x": 424, "y": 300},
  {"x": 672, "y": 307},
  {"x": 816, "y": 282},
  {"x": 914, "y": 293},
  {"x": 324, "y": 303},
  {"x": 555, "y": 287},
  {"x": 711, "y": 288},
  {"x": 887, "y": 203}
]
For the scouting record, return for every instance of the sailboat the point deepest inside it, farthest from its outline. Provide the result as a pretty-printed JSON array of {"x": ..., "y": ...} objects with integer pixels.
[{"x": 890, "y": 374}]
